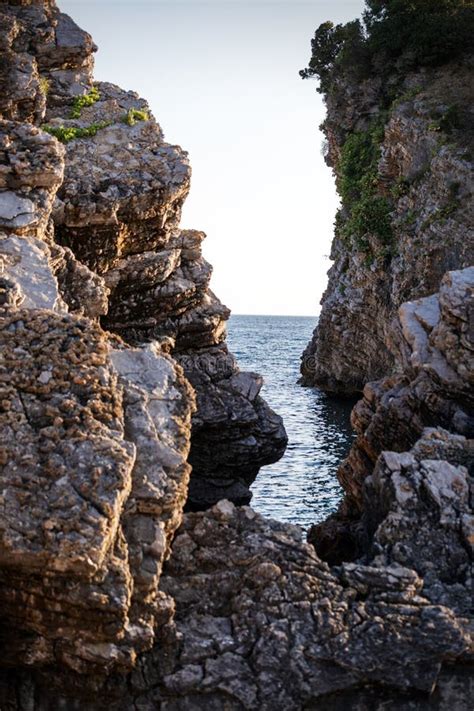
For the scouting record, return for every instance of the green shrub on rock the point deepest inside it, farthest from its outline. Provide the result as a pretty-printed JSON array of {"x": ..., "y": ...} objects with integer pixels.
[
  {"x": 370, "y": 215},
  {"x": 80, "y": 102},
  {"x": 134, "y": 115},
  {"x": 392, "y": 38},
  {"x": 70, "y": 133},
  {"x": 357, "y": 168},
  {"x": 357, "y": 183}
]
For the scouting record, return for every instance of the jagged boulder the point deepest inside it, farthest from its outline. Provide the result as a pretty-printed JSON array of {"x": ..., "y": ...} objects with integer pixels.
[
  {"x": 418, "y": 513},
  {"x": 262, "y": 623},
  {"x": 235, "y": 432},
  {"x": 432, "y": 346}
]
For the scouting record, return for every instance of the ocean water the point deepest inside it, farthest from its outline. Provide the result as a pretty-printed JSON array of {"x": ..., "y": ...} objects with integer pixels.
[{"x": 302, "y": 487}]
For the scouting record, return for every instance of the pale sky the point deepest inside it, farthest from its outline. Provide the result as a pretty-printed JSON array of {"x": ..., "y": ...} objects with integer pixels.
[{"x": 221, "y": 77}]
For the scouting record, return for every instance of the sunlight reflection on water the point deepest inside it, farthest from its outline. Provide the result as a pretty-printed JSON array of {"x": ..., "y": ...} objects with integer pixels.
[{"x": 302, "y": 487}]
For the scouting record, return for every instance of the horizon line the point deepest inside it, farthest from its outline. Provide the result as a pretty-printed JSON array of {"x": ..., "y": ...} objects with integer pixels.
[{"x": 278, "y": 315}]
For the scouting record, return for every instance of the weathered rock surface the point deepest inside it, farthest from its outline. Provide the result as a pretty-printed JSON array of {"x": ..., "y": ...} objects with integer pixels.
[
  {"x": 117, "y": 248},
  {"x": 396, "y": 324},
  {"x": 95, "y": 461},
  {"x": 83, "y": 529},
  {"x": 43, "y": 53},
  {"x": 425, "y": 171},
  {"x": 227, "y": 401},
  {"x": 262, "y": 623},
  {"x": 433, "y": 347},
  {"x": 121, "y": 219},
  {"x": 96, "y": 429},
  {"x": 418, "y": 514}
]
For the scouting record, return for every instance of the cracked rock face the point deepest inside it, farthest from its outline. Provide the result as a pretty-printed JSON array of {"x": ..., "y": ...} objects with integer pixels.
[
  {"x": 114, "y": 236},
  {"x": 110, "y": 598},
  {"x": 262, "y": 622},
  {"x": 121, "y": 219},
  {"x": 62, "y": 492},
  {"x": 94, "y": 467},
  {"x": 432, "y": 346},
  {"x": 84, "y": 528},
  {"x": 281, "y": 628},
  {"x": 31, "y": 169},
  {"x": 418, "y": 513},
  {"x": 95, "y": 435},
  {"x": 426, "y": 172}
]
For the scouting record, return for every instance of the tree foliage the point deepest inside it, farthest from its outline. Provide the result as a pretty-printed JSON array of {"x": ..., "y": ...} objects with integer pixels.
[
  {"x": 368, "y": 212},
  {"x": 403, "y": 33}
]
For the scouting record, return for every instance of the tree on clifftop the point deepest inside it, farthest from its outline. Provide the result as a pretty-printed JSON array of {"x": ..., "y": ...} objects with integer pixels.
[{"x": 394, "y": 34}]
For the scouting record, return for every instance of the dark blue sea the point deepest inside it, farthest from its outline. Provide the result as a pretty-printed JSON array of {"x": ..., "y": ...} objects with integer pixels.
[{"x": 302, "y": 487}]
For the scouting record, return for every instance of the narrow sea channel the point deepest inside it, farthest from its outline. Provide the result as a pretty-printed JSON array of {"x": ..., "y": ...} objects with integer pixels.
[{"x": 302, "y": 487}]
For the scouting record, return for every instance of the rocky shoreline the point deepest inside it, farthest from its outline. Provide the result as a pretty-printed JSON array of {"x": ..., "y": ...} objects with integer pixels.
[{"x": 116, "y": 382}]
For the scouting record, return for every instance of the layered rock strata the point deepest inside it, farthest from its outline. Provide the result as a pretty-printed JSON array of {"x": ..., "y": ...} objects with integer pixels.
[
  {"x": 121, "y": 219},
  {"x": 419, "y": 220},
  {"x": 94, "y": 467},
  {"x": 433, "y": 347},
  {"x": 117, "y": 210},
  {"x": 95, "y": 426},
  {"x": 83, "y": 531},
  {"x": 396, "y": 319}
]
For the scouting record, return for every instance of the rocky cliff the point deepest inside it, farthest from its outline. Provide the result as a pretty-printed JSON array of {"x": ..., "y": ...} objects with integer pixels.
[
  {"x": 394, "y": 240},
  {"x": 432, "y": 393},
  {"x": 112, "y": 212},
  {"x": 115, "y": 379},
  {"x": 99, "y": 286},
  {"x": 400, "y": 142}
]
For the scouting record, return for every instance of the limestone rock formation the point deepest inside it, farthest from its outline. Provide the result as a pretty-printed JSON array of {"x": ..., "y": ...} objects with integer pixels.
[
  {"x": 418, "y": 223},
  {"x": 81, "y": 546},
  {"x": 116, "y": 228},
  {"x": 228, "y": 401},
  {"x": 96, "y": 427},
  {"x": 104, "y": 308},
  {"x": 121, "y": 219},
  {"x": 419, "y": 514},
  {"x": 281, "y": 629},
  {"x": 432, "y": 347},
  {"x": 82, "y": 531},
  {"x": 262, "y": 623},
  {"x": 396, "y": 320}
]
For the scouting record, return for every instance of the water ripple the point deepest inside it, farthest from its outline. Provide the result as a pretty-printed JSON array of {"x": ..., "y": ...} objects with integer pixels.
[{"x": 302, "y": 487}]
